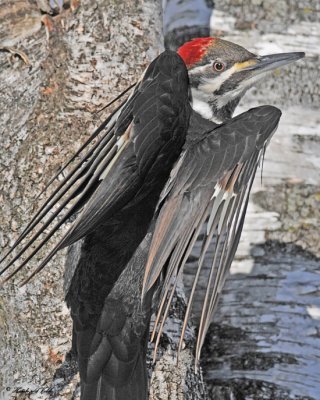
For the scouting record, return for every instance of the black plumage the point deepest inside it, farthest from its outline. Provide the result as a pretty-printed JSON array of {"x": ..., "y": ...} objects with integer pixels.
[
  {"x": 117, "y": 217},
  {"x": 185, "y": 204},
  {"x": 210, "y": 187},
  {"x": 118, "y": 184}
]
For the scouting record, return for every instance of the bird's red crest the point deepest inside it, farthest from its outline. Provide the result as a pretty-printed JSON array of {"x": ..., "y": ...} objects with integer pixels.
[{"x": 193, "y": 51}]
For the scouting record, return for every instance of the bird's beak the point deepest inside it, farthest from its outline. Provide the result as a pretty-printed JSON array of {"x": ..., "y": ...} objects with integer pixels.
[{"x": 261, "y": 64}]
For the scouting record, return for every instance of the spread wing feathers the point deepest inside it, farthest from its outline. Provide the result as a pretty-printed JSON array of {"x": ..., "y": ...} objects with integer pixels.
[
  {"x": 210, "y": 187},
  {"x": 150, "y": 126},
  {"x": 76, "y": 173}
]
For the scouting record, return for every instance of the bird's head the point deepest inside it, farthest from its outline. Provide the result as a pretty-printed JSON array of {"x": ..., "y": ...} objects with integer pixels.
[{"x": 220, "y": 73}]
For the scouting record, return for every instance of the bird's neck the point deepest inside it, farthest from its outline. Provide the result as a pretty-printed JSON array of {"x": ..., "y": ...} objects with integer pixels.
[{"x": 209, "y": 107}]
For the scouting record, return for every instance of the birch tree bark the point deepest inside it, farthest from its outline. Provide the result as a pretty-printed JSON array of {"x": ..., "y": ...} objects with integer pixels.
[
  {"x": 56, "y": 72},
  {"x": 264, "y": 342}
]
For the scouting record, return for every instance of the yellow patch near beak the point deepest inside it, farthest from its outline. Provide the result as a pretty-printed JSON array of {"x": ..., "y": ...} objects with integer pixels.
[{"x": 245, "y": 64}]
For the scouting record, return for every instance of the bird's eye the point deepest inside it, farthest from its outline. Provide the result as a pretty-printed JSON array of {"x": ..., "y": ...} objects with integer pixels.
[{"x": 218, "y": 66}]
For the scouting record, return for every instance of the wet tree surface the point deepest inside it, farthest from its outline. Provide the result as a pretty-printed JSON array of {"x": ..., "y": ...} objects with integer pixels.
[{"x": 265, "y": 339}]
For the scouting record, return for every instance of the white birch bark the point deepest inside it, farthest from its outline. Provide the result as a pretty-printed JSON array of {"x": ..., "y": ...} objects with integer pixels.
[
  {"x": 264, "y": 342},
  {"x": 185, "y": 20}
]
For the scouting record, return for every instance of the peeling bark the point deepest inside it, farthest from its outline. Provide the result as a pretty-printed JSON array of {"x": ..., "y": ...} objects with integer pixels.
[
  {"x": 80, "y": 59},
  {"x": 264, "y": 340}
]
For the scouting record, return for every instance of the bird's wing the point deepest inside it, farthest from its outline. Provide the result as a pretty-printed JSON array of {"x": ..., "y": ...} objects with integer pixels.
[
  {"x": 146, "y": 131},
  {"x": 72, "y": 184},
  {"x": 209, "y": 188},
  {"x": 155, "y": 137}
]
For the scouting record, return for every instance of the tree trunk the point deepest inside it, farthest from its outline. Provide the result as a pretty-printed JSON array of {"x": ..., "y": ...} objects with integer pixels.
[
  {"x": 185, "y": 20},
  {"x": 264, "y": 342},
  {"x": 56, "y": 73},
  {"x": 264, "y": 339},
  {"x": 74, "y": 57}
]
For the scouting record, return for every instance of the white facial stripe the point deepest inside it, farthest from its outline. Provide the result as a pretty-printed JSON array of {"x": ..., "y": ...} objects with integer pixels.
[
  {"x": 211, "y": 85},
  {"x": 203, "y": 108},
  {"x": 200, "y": 69},
  {"x": 201, "y": 96},
  {"x": 244, "y": 85},
  {"x": 204, "y": 94}
]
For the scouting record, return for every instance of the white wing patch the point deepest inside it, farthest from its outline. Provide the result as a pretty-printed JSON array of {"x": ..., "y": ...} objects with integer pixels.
[{"x": 115, "y": 152}]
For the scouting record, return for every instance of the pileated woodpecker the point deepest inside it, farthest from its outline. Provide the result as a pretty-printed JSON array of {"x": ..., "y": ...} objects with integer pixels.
[{"x": 170, "y": 160}]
